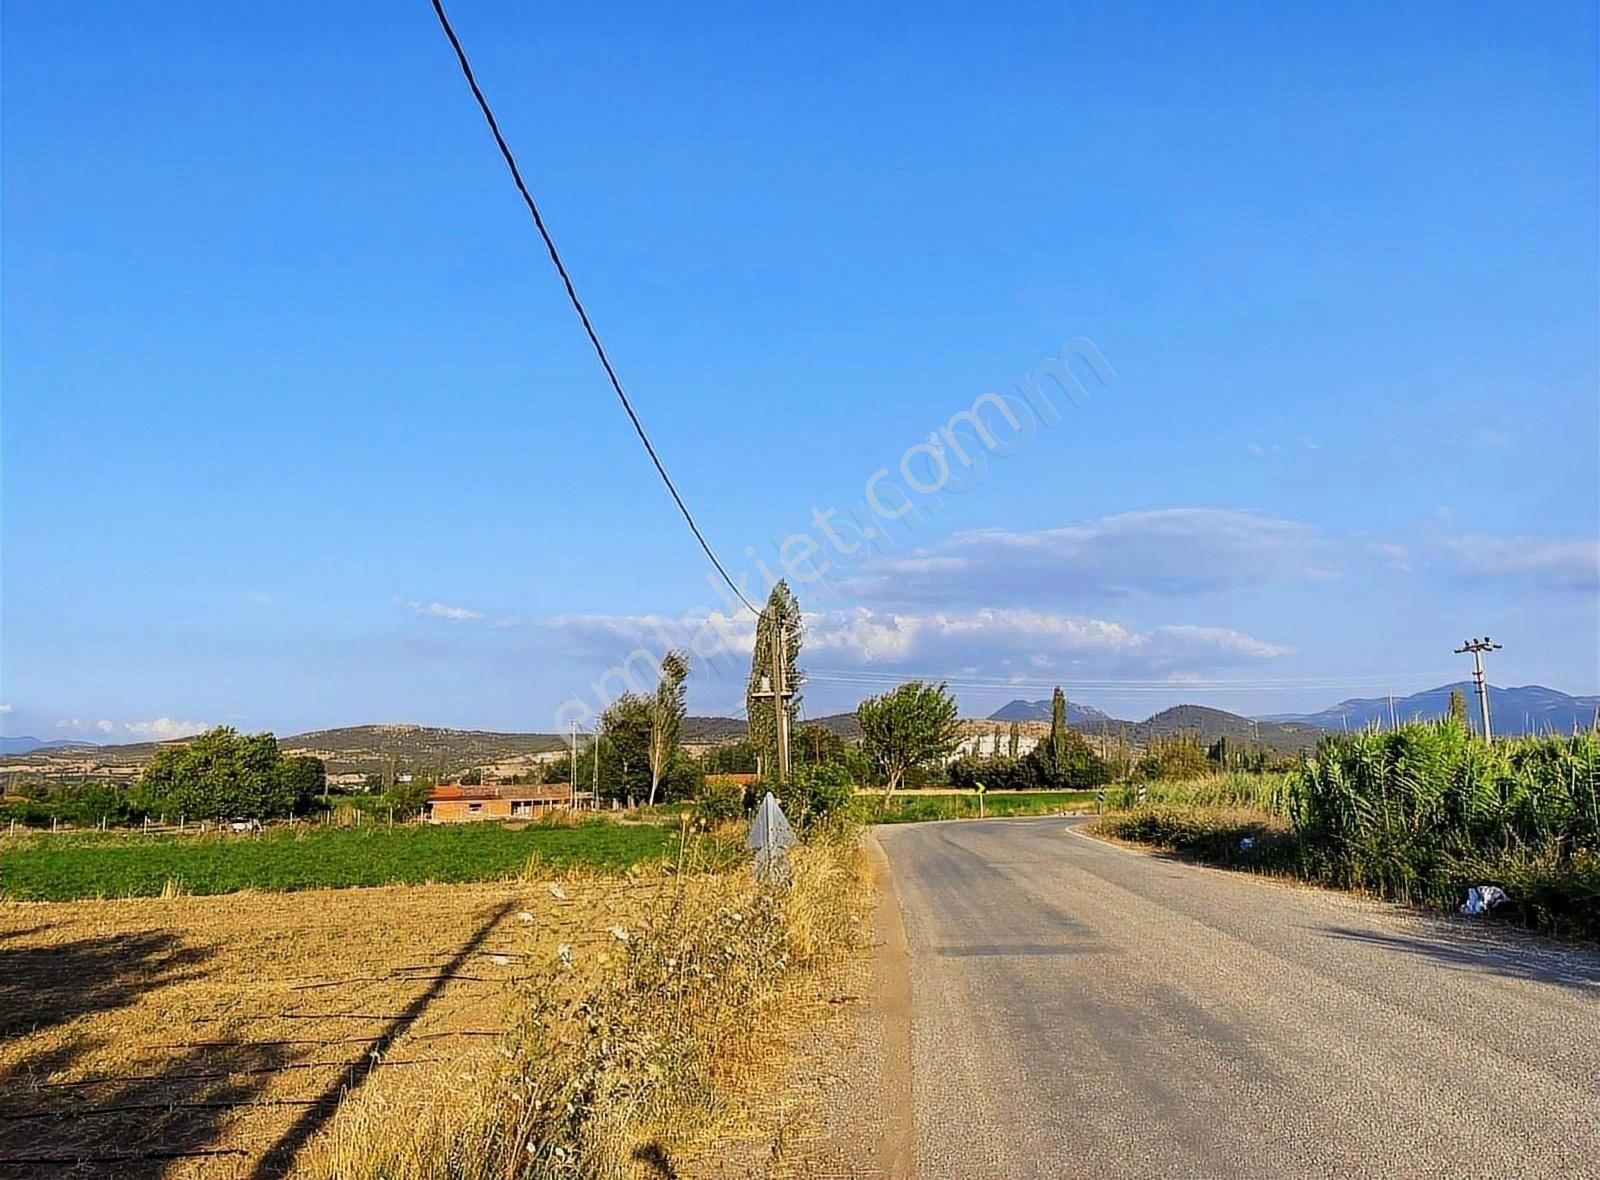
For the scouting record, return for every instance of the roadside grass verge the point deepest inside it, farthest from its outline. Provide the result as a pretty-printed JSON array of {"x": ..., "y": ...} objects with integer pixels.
[
  {"x": 628, "y": 1053},
  {"x": 909, "y": 807},
  {"x": 1235, "y": 838},
  {"x": 63, "y": 868}
]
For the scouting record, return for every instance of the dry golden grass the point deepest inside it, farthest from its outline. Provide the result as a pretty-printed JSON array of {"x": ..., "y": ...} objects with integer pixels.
[
  {"x": 215, "y": 1036},
  {"x": 626, "y": 1058}
]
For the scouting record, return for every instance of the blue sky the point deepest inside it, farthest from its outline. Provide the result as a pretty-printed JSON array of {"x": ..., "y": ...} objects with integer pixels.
[{"x": 298, "y": 430}]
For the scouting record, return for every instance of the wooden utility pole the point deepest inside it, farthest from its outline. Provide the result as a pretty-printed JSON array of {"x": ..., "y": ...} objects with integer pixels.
[{"x": 1477, "y": 647}]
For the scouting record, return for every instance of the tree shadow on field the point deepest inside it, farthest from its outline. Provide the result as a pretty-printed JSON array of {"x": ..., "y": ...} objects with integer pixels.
[
  {"x": 128, "y": 1124},
  {"x": 42, "y": 986},
  {"x": 1495, "y": 950},
  {"x": 280, "y": 1156}
]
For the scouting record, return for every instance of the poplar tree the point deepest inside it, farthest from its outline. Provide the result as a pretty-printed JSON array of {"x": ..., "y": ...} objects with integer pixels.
[
  {"x": 782, "y": 611},
  {"x": 667, "y": 707}
]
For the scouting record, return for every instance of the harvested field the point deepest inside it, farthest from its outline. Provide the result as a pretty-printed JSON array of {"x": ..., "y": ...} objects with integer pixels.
[{"x": 215, "y": 1036}]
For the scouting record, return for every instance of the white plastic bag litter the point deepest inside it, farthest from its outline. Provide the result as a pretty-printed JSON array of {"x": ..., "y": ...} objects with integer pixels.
[{"x": 1483, "y": 898}]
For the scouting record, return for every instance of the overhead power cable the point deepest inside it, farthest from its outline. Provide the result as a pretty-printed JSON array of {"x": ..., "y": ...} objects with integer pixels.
[{"x": 577, "y": 304}]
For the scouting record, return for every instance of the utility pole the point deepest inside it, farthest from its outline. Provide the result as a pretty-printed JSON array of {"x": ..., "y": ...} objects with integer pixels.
[
  {"x": 594, "y": 795},
  {"x": 572, "y": 771},
  {"x": 777, "y": 687},
  {"x": 1477, "y": 647},
  {"x": 781, "y": 698}
]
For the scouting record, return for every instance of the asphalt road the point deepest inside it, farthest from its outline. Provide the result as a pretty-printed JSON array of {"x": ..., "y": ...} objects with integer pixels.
[{"x": 1081, "y": 1009}]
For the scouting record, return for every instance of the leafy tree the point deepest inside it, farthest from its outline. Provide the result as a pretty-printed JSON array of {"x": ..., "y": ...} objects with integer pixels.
[
  {"x": 683, "y": 780},
  {"x": 1175, "y": 759},
  {"x": 781, "y": 615},
  {"x": 731, "y": 758},
  {"x": 625, "y": 747},
  {"x": 816, "y": 745},
  {"x": 719, "y": 801},
  {"x": 1458, "y": 707},
  {"x": 300, "y": 780},
  {"x": 1015, "y": 747},
  {"x": 473, "y": 778},
  {"x": 100, "y": 801},
  {"x": 408, "y": 798},
  {"x": 223, "y": 775},
  {"x": 815, "y": 793},
  {"x": 907, "y": 727},
  {"x": 996, "y": 774},
  {"x": 667, "y": 707}
]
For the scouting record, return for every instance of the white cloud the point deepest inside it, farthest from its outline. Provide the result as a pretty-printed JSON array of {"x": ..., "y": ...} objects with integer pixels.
[
  {"x": 440, "y": 610},
  {"x": 4, "y": 709},
  {"x": 1554, "y": 563},
  {"x": 155, "y": 729},
  {"x": 1167, "y": 552},
  {"x": 954, "y": 642},
  {"x": 164, "y": 728}
]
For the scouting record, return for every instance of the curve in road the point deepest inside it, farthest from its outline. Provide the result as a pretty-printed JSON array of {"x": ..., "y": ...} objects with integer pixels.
[{"x": 1083, "y": 1009}]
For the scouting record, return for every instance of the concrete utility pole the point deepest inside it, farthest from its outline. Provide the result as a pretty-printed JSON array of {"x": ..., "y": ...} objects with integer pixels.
[
  {"x": 776, "y": 686},
  {"x": 781, "y": 697},
  {"x": 594, "y": 795},
  {"x": 572, "y": 771},
  {"x": 1477, "y": 647}
]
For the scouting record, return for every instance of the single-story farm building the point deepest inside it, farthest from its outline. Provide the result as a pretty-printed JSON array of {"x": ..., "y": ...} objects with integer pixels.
[{"x": 454, "y": 804}]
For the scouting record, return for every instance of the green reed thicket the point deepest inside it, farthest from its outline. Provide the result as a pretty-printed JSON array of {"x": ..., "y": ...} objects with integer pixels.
[{"x": 1420, "y": 812}]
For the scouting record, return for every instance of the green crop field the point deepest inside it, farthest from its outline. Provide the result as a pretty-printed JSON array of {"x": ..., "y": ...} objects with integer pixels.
[{"x": 60, "y": 868}]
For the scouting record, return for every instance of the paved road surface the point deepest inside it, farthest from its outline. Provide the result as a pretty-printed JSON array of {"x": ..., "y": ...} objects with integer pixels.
[{"x": 1080, "y": 1009}]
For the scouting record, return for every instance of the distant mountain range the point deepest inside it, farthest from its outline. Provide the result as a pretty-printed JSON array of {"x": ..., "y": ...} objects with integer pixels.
[
  {"x": 27, "y": 745},
  {"x": 1529, "y": 709},
  {"x": 367, "y": 748},
  {"x": 1021, "y": 710},
  {"x": 1286, "y": 737}
]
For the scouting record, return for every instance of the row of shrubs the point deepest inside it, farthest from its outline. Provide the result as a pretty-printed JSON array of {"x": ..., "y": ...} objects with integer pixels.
[{"x": 811, "y": 796}]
